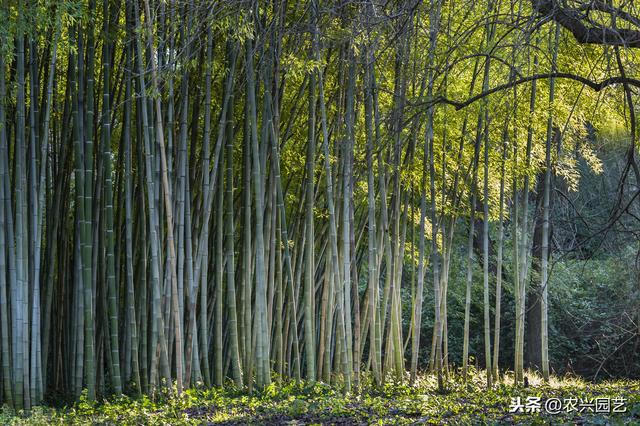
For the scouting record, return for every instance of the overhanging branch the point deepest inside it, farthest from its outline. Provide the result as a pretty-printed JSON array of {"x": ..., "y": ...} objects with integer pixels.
[
  {"x": 594, "y": 85},
  {"x": 574, "y": 21}
]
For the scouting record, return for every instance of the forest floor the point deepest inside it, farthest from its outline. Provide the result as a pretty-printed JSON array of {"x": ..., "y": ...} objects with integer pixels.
[{"x": 567, "y": 400}]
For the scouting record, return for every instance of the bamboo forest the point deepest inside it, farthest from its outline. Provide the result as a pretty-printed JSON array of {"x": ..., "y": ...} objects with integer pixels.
[{"x": 319, "y": 211}]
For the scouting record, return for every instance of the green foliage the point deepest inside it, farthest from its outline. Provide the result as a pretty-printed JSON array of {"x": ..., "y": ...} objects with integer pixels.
[
  {"x": 289, "y": 402},
  {"x": 593, "y": 324},
  {"x": 280, "y": 69}
]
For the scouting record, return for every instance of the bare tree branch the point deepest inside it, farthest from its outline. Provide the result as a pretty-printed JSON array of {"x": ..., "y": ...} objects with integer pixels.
[
  {"x": 574, "y": 20},
  {"x": 594, "y": 85}
]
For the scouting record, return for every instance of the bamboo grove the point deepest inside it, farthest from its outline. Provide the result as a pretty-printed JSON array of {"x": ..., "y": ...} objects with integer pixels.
[{"x": 225, "y": 193}]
